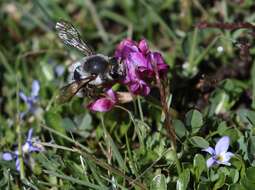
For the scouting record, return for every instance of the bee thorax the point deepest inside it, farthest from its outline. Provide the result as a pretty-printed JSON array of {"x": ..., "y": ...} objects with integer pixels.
[{"x": 97, "y": 81}]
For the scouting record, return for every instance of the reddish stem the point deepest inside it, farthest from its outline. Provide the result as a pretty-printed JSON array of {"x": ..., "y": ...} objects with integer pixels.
[{"x": 163, "y": 99}]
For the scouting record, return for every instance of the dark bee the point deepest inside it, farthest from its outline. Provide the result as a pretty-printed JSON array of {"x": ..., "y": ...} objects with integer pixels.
[{"x": 90, "y": 75}]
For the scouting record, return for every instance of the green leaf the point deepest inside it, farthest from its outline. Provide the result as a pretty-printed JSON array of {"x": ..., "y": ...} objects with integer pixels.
[
  {"x": 236, "y": 187},
  {"x": 203, "y": 186},
  {"x": 179, "y": 128},
  {"x": 233, "y": 176},
  {"x": 222, "y": 128},
  {"x": 220, "y": 182},
  {"x": 252, "y": 145},
  {"x": 253, "y": 85},
  {"x": 54, "y": 121},
  {"x": 158, "y": 182},
  {"x": 247, "y": 117},
  {"x": 74, "y": 180},
  {"x": 194, "y": 119},
  {"x": 232, "y": 133},
  {"x": 199, "y": 165},
  {"x": 183, "y": 180},
  {"x": 250, "y": 174},
  {"x": 85, "y": 123},
  {"x": 68, "y": 124},
  {"x": 247, "y": 184},
  {"x": 199, "y": 142},
  {"x": 47, "y": 70}
]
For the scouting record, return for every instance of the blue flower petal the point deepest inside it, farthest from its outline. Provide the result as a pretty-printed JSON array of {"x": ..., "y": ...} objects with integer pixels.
[
  {"x": 210, "y": 150},
  {"x": 23, "y": 96},
  {"x": 210, "y": 162},
  {"x": 227, "y": 156},
  {"x": 17, "y": 164},
  {"x": 34, "y": 149},
  {"x": 7, "y": 156},
  {"x": 59, "y": 70},
  {"x": 35, "y": 88},
  {"x": 30, "y": 133},
  {"x": 222, "y": 145},
  {"x": 223, "y": 163}
]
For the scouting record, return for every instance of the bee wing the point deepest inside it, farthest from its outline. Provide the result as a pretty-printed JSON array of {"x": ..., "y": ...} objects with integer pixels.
[
  {"x": 70, "y": 36},
  {"x": 67, "y": 92}
]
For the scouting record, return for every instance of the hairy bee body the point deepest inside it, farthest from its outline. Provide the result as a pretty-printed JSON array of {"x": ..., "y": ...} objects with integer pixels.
[
  {"x": 90, "y": 75},
  {"x": 104, "y": 68}
]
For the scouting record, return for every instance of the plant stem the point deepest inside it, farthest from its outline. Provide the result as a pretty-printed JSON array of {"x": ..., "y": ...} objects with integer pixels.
[
  {"x": 21, "y": 162},
  {"x": 168, "y": 124},
  {"x": 91, "y": 157},
  {"x": 96, "y": 19},
  {"x": 163, "y": 98},
  {"x": 140, "y": 108}
]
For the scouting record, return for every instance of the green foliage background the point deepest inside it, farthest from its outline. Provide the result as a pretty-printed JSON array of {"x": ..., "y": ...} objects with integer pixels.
[{"x": 212, "y": 95}]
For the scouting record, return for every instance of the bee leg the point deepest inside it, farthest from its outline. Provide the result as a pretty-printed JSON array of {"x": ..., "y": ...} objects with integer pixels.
[{"x": 91, "y": 91}]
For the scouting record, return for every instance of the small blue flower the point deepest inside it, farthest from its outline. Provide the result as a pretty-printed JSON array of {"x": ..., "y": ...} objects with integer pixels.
[
  {"x": 59, "y": 70},
  {"x": 28, "y": 147},
  {"x": 31, "y": 101},
  {"x": 219, "y": 155}
]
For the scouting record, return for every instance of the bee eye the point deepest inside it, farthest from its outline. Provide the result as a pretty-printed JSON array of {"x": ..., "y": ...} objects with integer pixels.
[
  {"x": 113, "y": 61},
  {"x": 76, "y": 75}
]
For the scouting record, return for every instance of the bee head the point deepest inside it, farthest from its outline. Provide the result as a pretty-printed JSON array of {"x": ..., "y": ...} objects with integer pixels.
[{"x": 117, "y": 69}]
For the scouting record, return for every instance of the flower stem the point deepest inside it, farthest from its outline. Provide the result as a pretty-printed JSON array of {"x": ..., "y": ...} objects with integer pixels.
[
  {"x": 168, "y": 124},
  {"x": 21, "y": 162},
  {"x": 140, "y": 108},
  {"x": 22, "y": 168},
  {"x": 163, "y": 99}
]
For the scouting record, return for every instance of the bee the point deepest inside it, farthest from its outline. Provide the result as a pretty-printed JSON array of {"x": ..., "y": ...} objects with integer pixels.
[{"x": 90, "y": 75}]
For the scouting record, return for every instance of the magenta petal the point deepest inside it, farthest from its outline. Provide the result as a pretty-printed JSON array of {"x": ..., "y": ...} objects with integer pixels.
[
  {"x": 157, "y": 58},
  {"x": 143, "y": 46},
  {"x": 146, "y": 90},
  {"x": 141, "y": 64},
  {"x": 125, "y": 47},
  {"x": 131, "y": 72},
  {"x": 101, "y": 105},
  {"x": 138, "y": 59},
  {"x": 134, "y": 88},
  {"x": 139, "y": 87},
  {"x": 112, "y": 95}
]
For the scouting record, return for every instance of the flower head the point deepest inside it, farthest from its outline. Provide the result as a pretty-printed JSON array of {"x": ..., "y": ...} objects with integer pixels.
[
  {"x": 139, "y": 64},
  {"x": 31, "y": 101},
  {"x": 219, "y": 155},
  {"x": 31, "y": 145},
  {"x": 104, "y": 104},
  {"x": 59, "y": 70}
]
